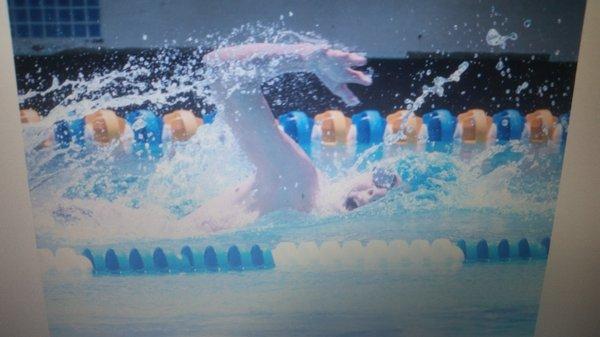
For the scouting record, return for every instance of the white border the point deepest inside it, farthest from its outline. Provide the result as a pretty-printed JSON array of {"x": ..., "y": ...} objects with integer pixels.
[
  {"x": 22, "y": 309},
  {"x": 570, "y": 299}
]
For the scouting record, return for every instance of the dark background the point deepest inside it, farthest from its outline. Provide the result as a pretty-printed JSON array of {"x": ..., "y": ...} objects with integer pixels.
[{"x": 481, "y": 86}]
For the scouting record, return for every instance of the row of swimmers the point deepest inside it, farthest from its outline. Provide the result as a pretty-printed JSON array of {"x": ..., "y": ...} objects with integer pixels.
[{"x": 147, "y": 132}]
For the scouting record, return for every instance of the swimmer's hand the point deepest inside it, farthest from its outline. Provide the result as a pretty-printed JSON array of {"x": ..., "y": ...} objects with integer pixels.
[
  {"x": 335, "y": 69},
  {"x": 258, "y": 62}
]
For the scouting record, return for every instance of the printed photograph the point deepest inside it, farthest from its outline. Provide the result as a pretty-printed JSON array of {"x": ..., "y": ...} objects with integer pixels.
[{"x": 294, "y": 168}]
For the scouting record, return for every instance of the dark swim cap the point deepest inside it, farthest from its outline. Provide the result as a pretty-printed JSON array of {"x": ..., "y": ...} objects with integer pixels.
[{"x": 384, "y": 178}]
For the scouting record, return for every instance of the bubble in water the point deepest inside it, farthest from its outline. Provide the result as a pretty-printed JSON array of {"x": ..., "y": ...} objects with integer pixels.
[
  {"x": 527, "y": 23},
  {"x": 436, "y": 89},
  {"x": 144, "y": 37}
]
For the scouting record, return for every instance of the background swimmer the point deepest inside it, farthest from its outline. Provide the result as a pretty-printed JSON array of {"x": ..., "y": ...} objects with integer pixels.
[{"x": 285, "y": 177}]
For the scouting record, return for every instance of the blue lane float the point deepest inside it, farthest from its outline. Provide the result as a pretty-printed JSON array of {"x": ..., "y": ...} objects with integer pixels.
[
  {"x": 189, "y": 259},
  {"x": 236, "y": 259},
  {"x": 147, "y": 133},
  {"x": 370, "y": 127},
  {"x": 297, "y": 125},
  {"x": 441, "y": 124},
  {"x": 209, "y": 117},
  {"x": 69, "y": 132},
  {"x": 509, "y": 125},
  {"x": 503, "y": 250}
]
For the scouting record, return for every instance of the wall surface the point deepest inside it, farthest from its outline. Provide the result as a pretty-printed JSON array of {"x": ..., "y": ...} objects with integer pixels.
[
  {"x": 412, "y": 25},
  {"x": 570, "y": 298},
  {"x": 22, "y": 310}
]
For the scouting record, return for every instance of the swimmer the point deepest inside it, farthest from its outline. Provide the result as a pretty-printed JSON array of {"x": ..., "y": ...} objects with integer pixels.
[{"x": 285, "y": 176}]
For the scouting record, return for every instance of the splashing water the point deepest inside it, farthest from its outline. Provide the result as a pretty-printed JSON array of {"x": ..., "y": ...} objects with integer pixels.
[
  {"x": 413, "y": 105},
  {"x": 499, "y": 65},
  {"x": 495, "y": 39},
  {"x": 522, "y": 87},
  {"x": 102, "y": 195}
]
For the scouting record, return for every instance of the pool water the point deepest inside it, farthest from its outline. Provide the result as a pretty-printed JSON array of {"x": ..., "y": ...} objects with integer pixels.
[
  {"x": 107, "y": 197},
  {"x": 464, "y": 192},
  {"x": 480, "y": 299}
]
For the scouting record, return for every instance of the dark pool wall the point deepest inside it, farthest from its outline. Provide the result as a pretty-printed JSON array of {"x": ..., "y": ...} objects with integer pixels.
[{"x": 483, "y": 85}]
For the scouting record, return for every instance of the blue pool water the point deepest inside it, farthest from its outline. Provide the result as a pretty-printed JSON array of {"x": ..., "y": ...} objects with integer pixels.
[{"x": 504, "y": 191}]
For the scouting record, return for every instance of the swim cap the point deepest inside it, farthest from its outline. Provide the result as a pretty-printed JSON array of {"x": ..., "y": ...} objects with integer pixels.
[{"x": 384, "y": 178}]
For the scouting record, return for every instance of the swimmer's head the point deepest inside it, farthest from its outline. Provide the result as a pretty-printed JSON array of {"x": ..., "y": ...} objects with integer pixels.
[{"x": 382, "y": 180}]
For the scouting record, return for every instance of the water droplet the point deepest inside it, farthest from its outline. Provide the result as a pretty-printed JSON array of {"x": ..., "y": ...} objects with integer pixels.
[
  {"x": 494, "y": 38},
  {"x": 499, "y": 65}
]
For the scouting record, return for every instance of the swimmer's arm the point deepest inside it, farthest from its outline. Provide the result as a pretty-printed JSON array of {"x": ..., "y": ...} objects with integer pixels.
[
  {"x": 256, "y": 63},
  {"x": 291, "y": 58}
]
